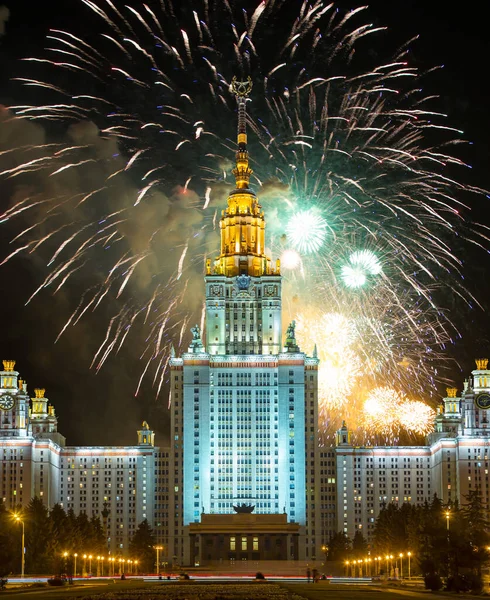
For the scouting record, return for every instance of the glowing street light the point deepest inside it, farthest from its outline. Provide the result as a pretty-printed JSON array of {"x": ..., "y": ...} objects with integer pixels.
[
  {"x": 75, "y": 567},
  {"x": 325, "y": 551},
  {"x": 409, "y": 554},
  {"x": 19, "y": 520},
  {"x": 401, "y": 565},
  {"x": 90, "y": 564},
  {"x": 158, "y": 548}
]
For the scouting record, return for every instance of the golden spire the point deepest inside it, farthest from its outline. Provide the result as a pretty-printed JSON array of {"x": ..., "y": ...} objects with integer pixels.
[
  {"x": 39, "y": 392},
  {"x": 481, "y": 363},
  {"x": 242, "y": 171},
  {"x": 451, "y": 392},
  {"x": 8, "y": 365},
  {"x": 242, "y": 223}
]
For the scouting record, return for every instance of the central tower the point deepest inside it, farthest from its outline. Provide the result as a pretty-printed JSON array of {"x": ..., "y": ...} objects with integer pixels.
[
  {"x": 243, "y": 288},
  {"x": 244, "y": 405}
]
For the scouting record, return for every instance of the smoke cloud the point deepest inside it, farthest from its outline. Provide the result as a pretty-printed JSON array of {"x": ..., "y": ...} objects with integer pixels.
[{"x": 4, "y": 17}]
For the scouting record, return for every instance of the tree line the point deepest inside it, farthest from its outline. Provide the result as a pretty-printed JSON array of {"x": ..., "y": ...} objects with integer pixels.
[
  {"x": 51, "y": 533},
  {"x": 449, "y": 541}
]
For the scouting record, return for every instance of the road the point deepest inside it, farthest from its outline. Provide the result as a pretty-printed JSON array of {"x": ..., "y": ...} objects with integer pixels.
[{"x": 320, "y": 591}]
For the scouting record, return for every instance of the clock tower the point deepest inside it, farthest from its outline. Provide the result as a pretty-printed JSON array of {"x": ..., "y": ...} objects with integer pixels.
[
  {"x": 476, "y": 400},
  {"x": 14, "y": 402}
]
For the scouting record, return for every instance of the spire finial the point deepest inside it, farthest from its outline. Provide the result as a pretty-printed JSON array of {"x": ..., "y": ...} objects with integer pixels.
[{"x": 242, "y": 172}]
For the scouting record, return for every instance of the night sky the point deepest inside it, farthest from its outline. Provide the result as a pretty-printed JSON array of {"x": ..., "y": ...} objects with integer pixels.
[{"x": 101, "y": 409}]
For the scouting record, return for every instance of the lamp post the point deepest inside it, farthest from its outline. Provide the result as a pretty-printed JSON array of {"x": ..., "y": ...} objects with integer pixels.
[
  {"x": 65, "y": 562},
  {"x": 409, "y": 554},
  {"x": 347, "y": 568},
  {"x": 325, "y": 551},
  {"x": 158, "y": 548},
  {"x": 84, "y": 568},
  {"x": 21, "y": 521},
  {"x": 401, "y": 565},
  {"x": 90, "y": 564},
  {"x": 75, "y": 567},
  {"x": 447, "y": 527}
]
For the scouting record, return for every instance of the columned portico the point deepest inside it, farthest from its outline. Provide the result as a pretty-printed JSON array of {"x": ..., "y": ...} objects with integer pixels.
[{"x": 243, "y": 537}]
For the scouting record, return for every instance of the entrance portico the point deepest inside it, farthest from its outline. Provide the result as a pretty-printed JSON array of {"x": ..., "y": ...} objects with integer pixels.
[{"x": 243, "y": 537}]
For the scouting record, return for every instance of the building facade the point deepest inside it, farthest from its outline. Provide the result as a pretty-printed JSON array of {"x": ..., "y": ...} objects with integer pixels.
[
  {"x": 244, "y": 405},
  {"x": 243, "y": 477}
]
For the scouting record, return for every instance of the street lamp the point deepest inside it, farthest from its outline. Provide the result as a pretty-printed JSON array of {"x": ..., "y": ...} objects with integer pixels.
[
  {"x": 158, "y": 548},
  {"x": 325, "y": 551},
  {"x": 19, "y": 520},
  {"x": 409, "y": 554},
  {"x": 75, "y": 567},
  {"x": 447, "y": 522},
  {"x": 401, "y": 565},
  {"x": 65, "y": 562},
  {"x": 84, "y": 568},
  {"x": 90, "y": 564}
]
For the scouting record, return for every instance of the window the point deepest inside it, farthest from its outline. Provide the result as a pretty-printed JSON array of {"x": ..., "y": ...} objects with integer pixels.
[
  {"x": 244, "y": 543},
  {"x": 232, "y": 544}
]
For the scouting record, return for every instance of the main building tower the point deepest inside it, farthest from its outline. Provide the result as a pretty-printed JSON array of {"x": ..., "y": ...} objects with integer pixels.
[{"x": 244, "y": 404}]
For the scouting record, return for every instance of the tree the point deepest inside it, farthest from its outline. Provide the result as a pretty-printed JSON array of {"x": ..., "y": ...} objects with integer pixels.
[
  {"x": 359, "y": 545},
  {"x": 339, "y": 547},
  {"x": 97, "y": 535},
  {"x": 41, "y": 545},
  {"x": 386, "y": 529},
  {"x": 475, "y": 530},
  {"x": 10, "y": 543},
  {"x": 141, "y": 546}
]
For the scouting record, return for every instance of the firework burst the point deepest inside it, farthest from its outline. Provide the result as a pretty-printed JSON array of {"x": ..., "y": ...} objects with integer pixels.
[
  {"x": 341, "y": 157},
  {"x": 363, "y": 264},
  {"x": 306, "y": 231}
]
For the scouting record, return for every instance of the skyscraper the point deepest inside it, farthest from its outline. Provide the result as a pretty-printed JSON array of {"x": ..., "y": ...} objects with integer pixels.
[{"x": 244, "y": 405}]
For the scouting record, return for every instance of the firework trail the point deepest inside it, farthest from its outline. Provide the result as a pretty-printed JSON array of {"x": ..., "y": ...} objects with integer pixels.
[{"x": 352, "y": 163}]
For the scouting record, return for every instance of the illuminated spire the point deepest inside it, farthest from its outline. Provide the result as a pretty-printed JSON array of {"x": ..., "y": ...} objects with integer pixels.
[
  {"x": 242, "y": 171},
  {"x": 242, "y": 223}
]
